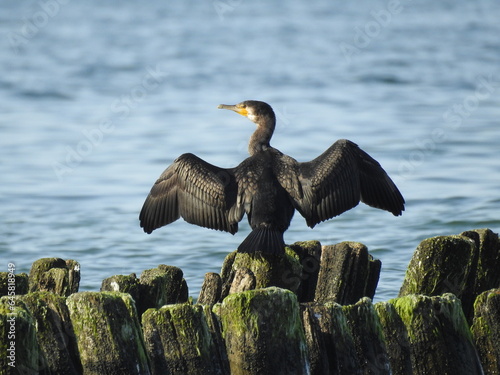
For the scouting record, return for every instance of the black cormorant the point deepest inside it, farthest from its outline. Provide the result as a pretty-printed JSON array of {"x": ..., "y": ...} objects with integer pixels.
[{"x": 268, "y": 186}]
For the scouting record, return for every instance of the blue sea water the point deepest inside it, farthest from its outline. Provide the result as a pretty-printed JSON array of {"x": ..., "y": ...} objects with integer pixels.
[{"x": 98, "y": 97}]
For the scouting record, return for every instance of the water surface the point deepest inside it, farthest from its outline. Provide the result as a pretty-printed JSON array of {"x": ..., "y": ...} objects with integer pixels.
[{"x": 97, "y": 98}]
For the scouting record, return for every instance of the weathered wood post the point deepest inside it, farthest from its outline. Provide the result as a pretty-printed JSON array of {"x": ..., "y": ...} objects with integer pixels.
[
  {"x": 19, "y": 283},
  {"x": 260, "y": 270},
  {"x": 163, "y": 285},
  {"x": 368, "y": 337},
  {"x": 396, "y": 337},
  {"x": 329, "y": 340},
  {"x": 440, "y": 265},
  {"x": 437, "y": 332},
  {"x": 211, "y": 289},
  {"x": 345, "y": 339},
  {"x": 18, "y": 341},
  {"x": 348, "y": 272},
  {"x": 243, "y": 326},
  {"x": 54, "y": 275},
  {"x": 465, "y": 265},
  {"x": 108, "y": 334},
  {"x": 485, "y": 275},
  {"x": 54, "y": 332},
  {"x": 181, "y": 340},
  {"x": 156, "y": 287},
  {"x": 486, "y": 330},
  {"x": 124, "y": 284},
  {"x": 263, "y": 332},
  {"x": 309, "y": 253}
]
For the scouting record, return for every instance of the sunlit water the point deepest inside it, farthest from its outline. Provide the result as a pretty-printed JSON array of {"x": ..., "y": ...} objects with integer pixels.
[{"x": 98, "y": 97}]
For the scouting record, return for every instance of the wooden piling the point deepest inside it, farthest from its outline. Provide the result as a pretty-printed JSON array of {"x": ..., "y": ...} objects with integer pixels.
[
  {"x": 263, "y": 332},
  {"x": 260, "y": 270},
  {"x": 438, "y": 334},
  {"x": 108, "y": 334},
  {"x": 58, "y": 349},
  {"x": 306, "y": 312},
  {"x": 20, "y": 282},
  {"x": 18, "y": 340},
  {"x": 55, "y": 275},
  {"x": 482, "y": 276},
  {"x": 211, "y": 290},
  {"x": 179, "y": 341},
  {"x": 348, "y": 272},
  {"x": 330, "y": 343},
  {"x": 486, "y": 330}
]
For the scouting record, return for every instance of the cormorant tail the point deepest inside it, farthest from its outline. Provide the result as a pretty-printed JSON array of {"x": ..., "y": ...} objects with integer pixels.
[{"x": 264, "y": 239}]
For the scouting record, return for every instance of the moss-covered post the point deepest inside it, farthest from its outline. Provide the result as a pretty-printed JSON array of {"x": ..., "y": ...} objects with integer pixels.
[
  {"x": 162, "y": 285},
  {"x": 19, "y": 282},
  {"x": 439, "y": 336},
  {"x": 54, "y": 275},
  {"x": 486, "y": 275},
  {"x": 18, "y": 344},
  {"x": 108, "y": 333},
  {"x": 263, "y": 332},
  {"x": 211, "y": 290},
  {"x": 396, "y": 338},
  {"x": 179, "y": 341},
  {"x": 124, "y": 284},
  {"x": 368, "y": 337},
  {"x": 348, "y": 272},
  {"x": 440, "y": 265},
  {"x": 331, "y": 347},
  {"x": 219, "y": 354},
  {"x": 486, "y": 330},
  {"x": 283, "y": 271},
  {"x": 55, "y": 336}
]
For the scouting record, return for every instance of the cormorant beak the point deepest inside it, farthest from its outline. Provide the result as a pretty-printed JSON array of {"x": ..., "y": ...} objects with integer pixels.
[{"x": 242, "y": 111}]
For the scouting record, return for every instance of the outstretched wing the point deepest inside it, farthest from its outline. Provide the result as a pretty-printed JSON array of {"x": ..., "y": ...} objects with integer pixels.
[
  {"x": 339, "y": 178},
  {"x": 195, "y": 190}
]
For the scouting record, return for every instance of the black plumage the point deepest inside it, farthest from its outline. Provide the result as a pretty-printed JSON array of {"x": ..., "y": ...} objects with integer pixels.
[{"x": 268, "y": 186}]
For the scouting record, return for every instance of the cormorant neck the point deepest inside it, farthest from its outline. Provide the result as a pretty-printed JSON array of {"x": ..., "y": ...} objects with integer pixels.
[{"x": 259, "y": 141}]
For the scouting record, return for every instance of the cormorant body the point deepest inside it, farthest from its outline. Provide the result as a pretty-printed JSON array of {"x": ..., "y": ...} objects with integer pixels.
[{"x": 268, "y": 187}]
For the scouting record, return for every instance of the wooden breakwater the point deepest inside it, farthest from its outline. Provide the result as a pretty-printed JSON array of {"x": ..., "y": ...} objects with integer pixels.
[{"x": 307, "y": 312}]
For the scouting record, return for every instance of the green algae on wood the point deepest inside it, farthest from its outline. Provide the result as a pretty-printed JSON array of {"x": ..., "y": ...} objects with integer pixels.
[
  {"x": 331, "y": 348},
  {"x": 440, "y": 265},
  {"x": 20, "y": 353},
  {"x": 348, "y": 272},
  {"x": 179, "y": 341},
  {"x": 369, "y": 340},
  {"x": 55, "y": 336},
  {"x": 263, "y": 332},
  {"x": 282, "y": 271},
  {"x": 396, "y": 338},
  {"x": 127, "y": 284},
  {"x": 108, "y": 333},
  {"x": 123, "y": 284},
  {"x": 162, "y": 285},
  {"x": 219, "y": 354},
  {"x": 55, "y": 275},
  {"x": 18, "y": 284},
  {"x": 486, "y": 330},
  {"x": 438, "y": 334}
]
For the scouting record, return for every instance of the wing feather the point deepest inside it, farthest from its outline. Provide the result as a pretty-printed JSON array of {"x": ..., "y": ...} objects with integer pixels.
[
  {"x": 197, "y": 191},
  {"x": 339, "y": 179}
]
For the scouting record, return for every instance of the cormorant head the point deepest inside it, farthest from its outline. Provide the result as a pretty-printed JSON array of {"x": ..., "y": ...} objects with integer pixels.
[{"x": 255, "y": 111}]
